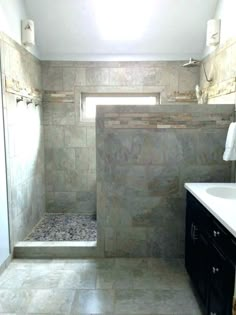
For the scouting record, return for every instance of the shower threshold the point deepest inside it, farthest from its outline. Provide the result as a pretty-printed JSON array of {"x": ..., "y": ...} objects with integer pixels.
[{"x": 61, "y": 236}]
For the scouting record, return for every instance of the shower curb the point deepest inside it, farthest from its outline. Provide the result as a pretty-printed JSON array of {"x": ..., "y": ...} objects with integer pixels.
[{"x": 45, "y": 250}]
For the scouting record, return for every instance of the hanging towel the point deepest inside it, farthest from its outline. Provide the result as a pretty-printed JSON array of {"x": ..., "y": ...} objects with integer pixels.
[{"x": 230, "y": 145}]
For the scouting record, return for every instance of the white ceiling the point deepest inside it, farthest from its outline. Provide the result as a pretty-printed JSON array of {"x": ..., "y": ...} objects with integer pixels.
[{"x": 69, "y": 30}]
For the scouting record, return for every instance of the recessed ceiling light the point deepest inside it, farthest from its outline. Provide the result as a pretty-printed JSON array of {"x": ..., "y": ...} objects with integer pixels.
[{"x": 122, "y": 20}]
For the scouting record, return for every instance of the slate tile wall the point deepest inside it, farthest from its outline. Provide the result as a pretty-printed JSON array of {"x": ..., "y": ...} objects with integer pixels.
[
  {"x": 24, "y": 141},
  {"x": 141, "y": 173},
  {"x": 70, "y": 150}
]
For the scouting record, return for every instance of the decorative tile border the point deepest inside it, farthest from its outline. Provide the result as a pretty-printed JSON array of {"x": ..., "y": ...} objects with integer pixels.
[
  {"x": 221, "y": 88},
  {"x": 58, "y": 96},
  {"x": 187, "y": 97},
  {"x": 163, "y": 120},
  {"x": 16, "y": 87}
]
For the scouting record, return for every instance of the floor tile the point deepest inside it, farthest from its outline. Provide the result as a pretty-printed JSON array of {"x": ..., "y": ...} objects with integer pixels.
[
  {"x": 13, "y": 278},
  {"x": 163, "y": 281},
  {"x": 97, "y": 286},
  {"x": 123, "y": 279},
  {"x": 51, "y": 301},
  {"x": 93, "y": 302},
  {"x": 91, "y": 265},
  {"x": 166, "y": 302},
  {"x": 42, "y": 279},
  {"x": 12, "y": 301},
  {"x": 84, "y": 279},
  {"x": 105, "y": 279}
]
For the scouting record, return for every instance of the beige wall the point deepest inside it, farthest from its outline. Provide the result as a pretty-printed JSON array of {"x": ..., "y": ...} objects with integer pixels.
[
  {"x": 69, "y": 144},
  {"x": 24, "y": 138}
]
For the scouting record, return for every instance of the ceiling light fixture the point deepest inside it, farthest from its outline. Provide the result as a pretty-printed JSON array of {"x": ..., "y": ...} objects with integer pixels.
[{"x": 122, "y": 20}]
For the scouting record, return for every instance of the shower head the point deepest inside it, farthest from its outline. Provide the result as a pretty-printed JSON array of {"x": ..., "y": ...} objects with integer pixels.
[
  {"x": 192, "y": 63},
  {"x": 196, "y": 63}
]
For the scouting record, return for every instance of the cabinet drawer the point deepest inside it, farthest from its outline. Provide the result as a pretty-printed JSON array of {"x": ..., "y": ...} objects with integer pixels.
[
  {"x": 222, "y": 274},
  {"x": 221, "y": 271},
  {"x": 220, "y": 236}
]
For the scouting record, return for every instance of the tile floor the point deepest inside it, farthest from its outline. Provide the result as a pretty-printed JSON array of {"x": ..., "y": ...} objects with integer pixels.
[
  {"x": 97, "y": 286},
  {"x": 64, "y": 227}
]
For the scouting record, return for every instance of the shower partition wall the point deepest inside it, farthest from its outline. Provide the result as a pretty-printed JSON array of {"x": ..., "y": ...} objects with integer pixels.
[{"x": 4, "y": 228}]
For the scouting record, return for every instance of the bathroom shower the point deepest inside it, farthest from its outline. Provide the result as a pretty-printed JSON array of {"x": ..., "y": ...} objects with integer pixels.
[
  {"x": 196, "y": 63},
  {"x": 202, "y": 99}
]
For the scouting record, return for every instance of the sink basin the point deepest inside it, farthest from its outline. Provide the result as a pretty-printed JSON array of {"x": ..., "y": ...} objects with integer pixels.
[{"x": 222, "y": 192}]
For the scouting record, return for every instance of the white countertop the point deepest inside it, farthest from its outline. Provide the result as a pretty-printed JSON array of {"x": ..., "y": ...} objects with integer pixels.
[{"x": 222, "y": 209}]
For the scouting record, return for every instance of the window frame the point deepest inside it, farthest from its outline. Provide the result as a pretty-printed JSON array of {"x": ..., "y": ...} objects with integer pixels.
[{"x": 84, "y": 95}]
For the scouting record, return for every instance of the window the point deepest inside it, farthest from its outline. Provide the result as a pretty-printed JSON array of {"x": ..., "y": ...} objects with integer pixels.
[{"x": 90, "y": 101}]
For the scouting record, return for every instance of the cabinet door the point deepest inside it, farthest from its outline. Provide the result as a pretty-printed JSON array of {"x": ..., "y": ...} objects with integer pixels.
[
  {"x": 196, "y": 255},
  {"x": 222, "y": 274}
]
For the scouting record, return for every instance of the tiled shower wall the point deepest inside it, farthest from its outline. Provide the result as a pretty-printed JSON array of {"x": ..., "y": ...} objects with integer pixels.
[
  {"x": 143, "y": 160},
  {"x": 221, "y": 68},
  {"x": 24, "y": 140},
  {"x": 70, "y": 144}
]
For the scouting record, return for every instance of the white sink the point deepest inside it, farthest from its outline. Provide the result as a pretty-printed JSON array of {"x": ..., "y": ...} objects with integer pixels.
[{"x": 222, "y": 192}]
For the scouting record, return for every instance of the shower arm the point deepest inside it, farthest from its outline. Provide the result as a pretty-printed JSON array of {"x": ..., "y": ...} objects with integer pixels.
[{"x": 208, "y": 80}]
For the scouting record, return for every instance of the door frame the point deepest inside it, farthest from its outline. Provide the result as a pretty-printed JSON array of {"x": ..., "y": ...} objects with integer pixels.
[{"x": 2, "y": 117}]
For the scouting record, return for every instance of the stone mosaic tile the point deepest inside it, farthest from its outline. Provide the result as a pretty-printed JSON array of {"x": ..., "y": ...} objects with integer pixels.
[
  {"x": 165, "y": 120},
  {"x": 64, "y": 227},
  {"x": 58, "y": 96}
]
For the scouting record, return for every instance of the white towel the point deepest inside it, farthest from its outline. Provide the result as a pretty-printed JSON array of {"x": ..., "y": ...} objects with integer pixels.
[{"x": 230, "y": 145}]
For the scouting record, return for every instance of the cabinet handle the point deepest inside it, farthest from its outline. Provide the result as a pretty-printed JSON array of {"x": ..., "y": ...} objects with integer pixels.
[
  {"x": 216, "y": 233},
  {"x": 194, "y": 231},
  {"x": 215, "y": 270}
]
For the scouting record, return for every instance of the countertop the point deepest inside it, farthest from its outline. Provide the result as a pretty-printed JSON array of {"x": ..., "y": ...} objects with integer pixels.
[{"x": 222, "y": 209}]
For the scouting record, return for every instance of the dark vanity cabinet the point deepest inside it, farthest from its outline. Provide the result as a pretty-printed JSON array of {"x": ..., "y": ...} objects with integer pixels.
[{"x": 209, "y": 258}]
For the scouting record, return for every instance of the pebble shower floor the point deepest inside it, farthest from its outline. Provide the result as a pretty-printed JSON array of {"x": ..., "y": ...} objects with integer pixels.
[{"x": 64, "y": 227}]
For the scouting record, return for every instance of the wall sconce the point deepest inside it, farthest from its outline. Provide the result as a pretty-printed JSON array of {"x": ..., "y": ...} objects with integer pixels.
[
  {"x": 27, "y": 33},
  {"x": 213, "y": 32}
]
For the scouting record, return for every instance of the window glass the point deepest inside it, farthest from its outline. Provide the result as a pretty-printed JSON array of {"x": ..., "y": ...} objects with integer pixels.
[{"x": 89, "y": 103}]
